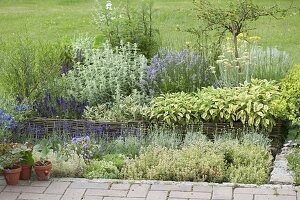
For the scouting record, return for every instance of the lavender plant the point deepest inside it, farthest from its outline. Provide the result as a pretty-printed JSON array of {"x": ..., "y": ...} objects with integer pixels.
[
  {"x": 107, "y": 74},
  {"x": 172, "y": 71}
]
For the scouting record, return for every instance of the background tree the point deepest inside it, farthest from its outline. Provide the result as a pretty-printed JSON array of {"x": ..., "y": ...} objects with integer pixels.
[{"x": 234, "y": 17}]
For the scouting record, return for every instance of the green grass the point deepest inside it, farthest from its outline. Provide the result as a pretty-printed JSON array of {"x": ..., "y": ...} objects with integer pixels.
[{"x": 56, "y": 19}]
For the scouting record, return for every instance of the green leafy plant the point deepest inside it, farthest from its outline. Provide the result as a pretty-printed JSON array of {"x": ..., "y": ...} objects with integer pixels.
[
  {"x": 9, "y": 156},
  {"x": 291, "y": 92},
  {"x": 294, "y": 163},
  {"x": 257, "y": 104},
  {"x": 129, "y": 24},
  {"x": 45, "y": 148},
  {"x": 101, "y": 169},
  {"x": 130, "y": 108},
  {"x": 117, "y": 159}
]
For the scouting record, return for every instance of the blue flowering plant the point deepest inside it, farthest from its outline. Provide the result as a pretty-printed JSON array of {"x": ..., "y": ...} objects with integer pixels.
[
  {"x": 172, "y": 71},
  {"x": 12, "y": 114},
  {"x": 83, "y": 146}
]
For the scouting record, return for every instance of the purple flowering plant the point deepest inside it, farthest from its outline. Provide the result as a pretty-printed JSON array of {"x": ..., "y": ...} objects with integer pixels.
[
  {"x": 63, "y": 107},
  {"x": 83, "y": 146},
  {"x": 172, "y": 71}
]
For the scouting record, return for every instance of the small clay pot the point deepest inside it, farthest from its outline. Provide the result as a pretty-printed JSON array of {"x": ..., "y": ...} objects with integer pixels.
[
  {"x": 25, "y": 172},
  {"x": 43, "y": 170},
  {"x": 12, "y": 176}
]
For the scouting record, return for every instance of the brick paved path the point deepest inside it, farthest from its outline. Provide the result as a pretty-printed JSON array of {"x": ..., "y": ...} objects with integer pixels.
[{"x": 77, "y": 189}]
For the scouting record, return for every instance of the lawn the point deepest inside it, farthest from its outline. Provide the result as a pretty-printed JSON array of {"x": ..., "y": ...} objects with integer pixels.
[{"x": 58, "y": 19}]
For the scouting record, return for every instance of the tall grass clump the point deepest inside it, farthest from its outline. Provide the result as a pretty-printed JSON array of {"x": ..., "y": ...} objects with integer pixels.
[{"x": 27, "y": 65}]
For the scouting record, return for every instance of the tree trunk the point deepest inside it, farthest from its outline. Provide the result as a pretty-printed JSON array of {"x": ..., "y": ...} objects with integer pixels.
[{"x": 236, "y": 51}]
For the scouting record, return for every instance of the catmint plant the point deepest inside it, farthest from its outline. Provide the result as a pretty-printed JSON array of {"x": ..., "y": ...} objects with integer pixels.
[{"x": 172, "y": 71}]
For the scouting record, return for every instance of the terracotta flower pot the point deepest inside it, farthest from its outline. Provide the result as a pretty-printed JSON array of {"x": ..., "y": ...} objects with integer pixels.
[
  {"x": 26, "y": 172},
  {"x": 43, "y": 171},
  {"x": 12, "y": 176}
]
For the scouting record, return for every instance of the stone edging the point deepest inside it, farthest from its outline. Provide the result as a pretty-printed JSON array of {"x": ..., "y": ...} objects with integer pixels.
[{"x": 281, "y": 173}]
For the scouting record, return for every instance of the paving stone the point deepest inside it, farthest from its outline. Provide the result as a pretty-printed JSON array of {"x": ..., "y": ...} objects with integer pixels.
[
  {"x": 24, "y": 183},
  {"x": 74, "y": 194},
  {"x": 29, "y": 189},
  {"x": 157, "y": 195},
  {"x": 120, "y": 186},
  {"x": 2, "y": 182},
  {"x": 177, "y": 199},
  {"x": 2, "y": 187},
  {"x": 57, "y": 187},
  {"x": 266, "y": 191},
  {"x": 274, "y": 197},
  {"x": 190, "y": 195},
  {"x": 201, "y": 188},
  {"x": 106, "y": 193},
  {"x": 172, "y": 187},
  {"x": 243, "y": 197},
  {"x": 41, "y": 183},
  {"x": 32, "y": 196},
  {"x": 126, "y": 198},
  {"x": 90, "y": 185},
  {"x": 222, "y": 192},
  {"x": 138, "y": 190},
  {"x": 9, "y": 195},
  {"x": 92, "y": 198}
]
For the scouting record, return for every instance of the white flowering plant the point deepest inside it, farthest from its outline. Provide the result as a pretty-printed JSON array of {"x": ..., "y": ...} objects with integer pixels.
[{"x": 129, "y": 24}]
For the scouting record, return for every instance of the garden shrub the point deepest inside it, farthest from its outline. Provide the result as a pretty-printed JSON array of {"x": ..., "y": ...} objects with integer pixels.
[
  {"x": 117, "y": 159},
  {"x": 101, "y": 169},
  {"x": 230, "y": 157},
  {"x": 189, "y": 164},
  {"x": 130, "y": 108},
  {"x": 107, "y": 74},
  {"x": 129, "y": 24},
  {"x": 163, "y": 137},
  {"x": 171, "y": 71},
  {"x": 250, "y": 164},
  {"x": 128, "y": 145},
  {"x": 257, "y": 104},
  {"x": 290, "y": 86}
]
